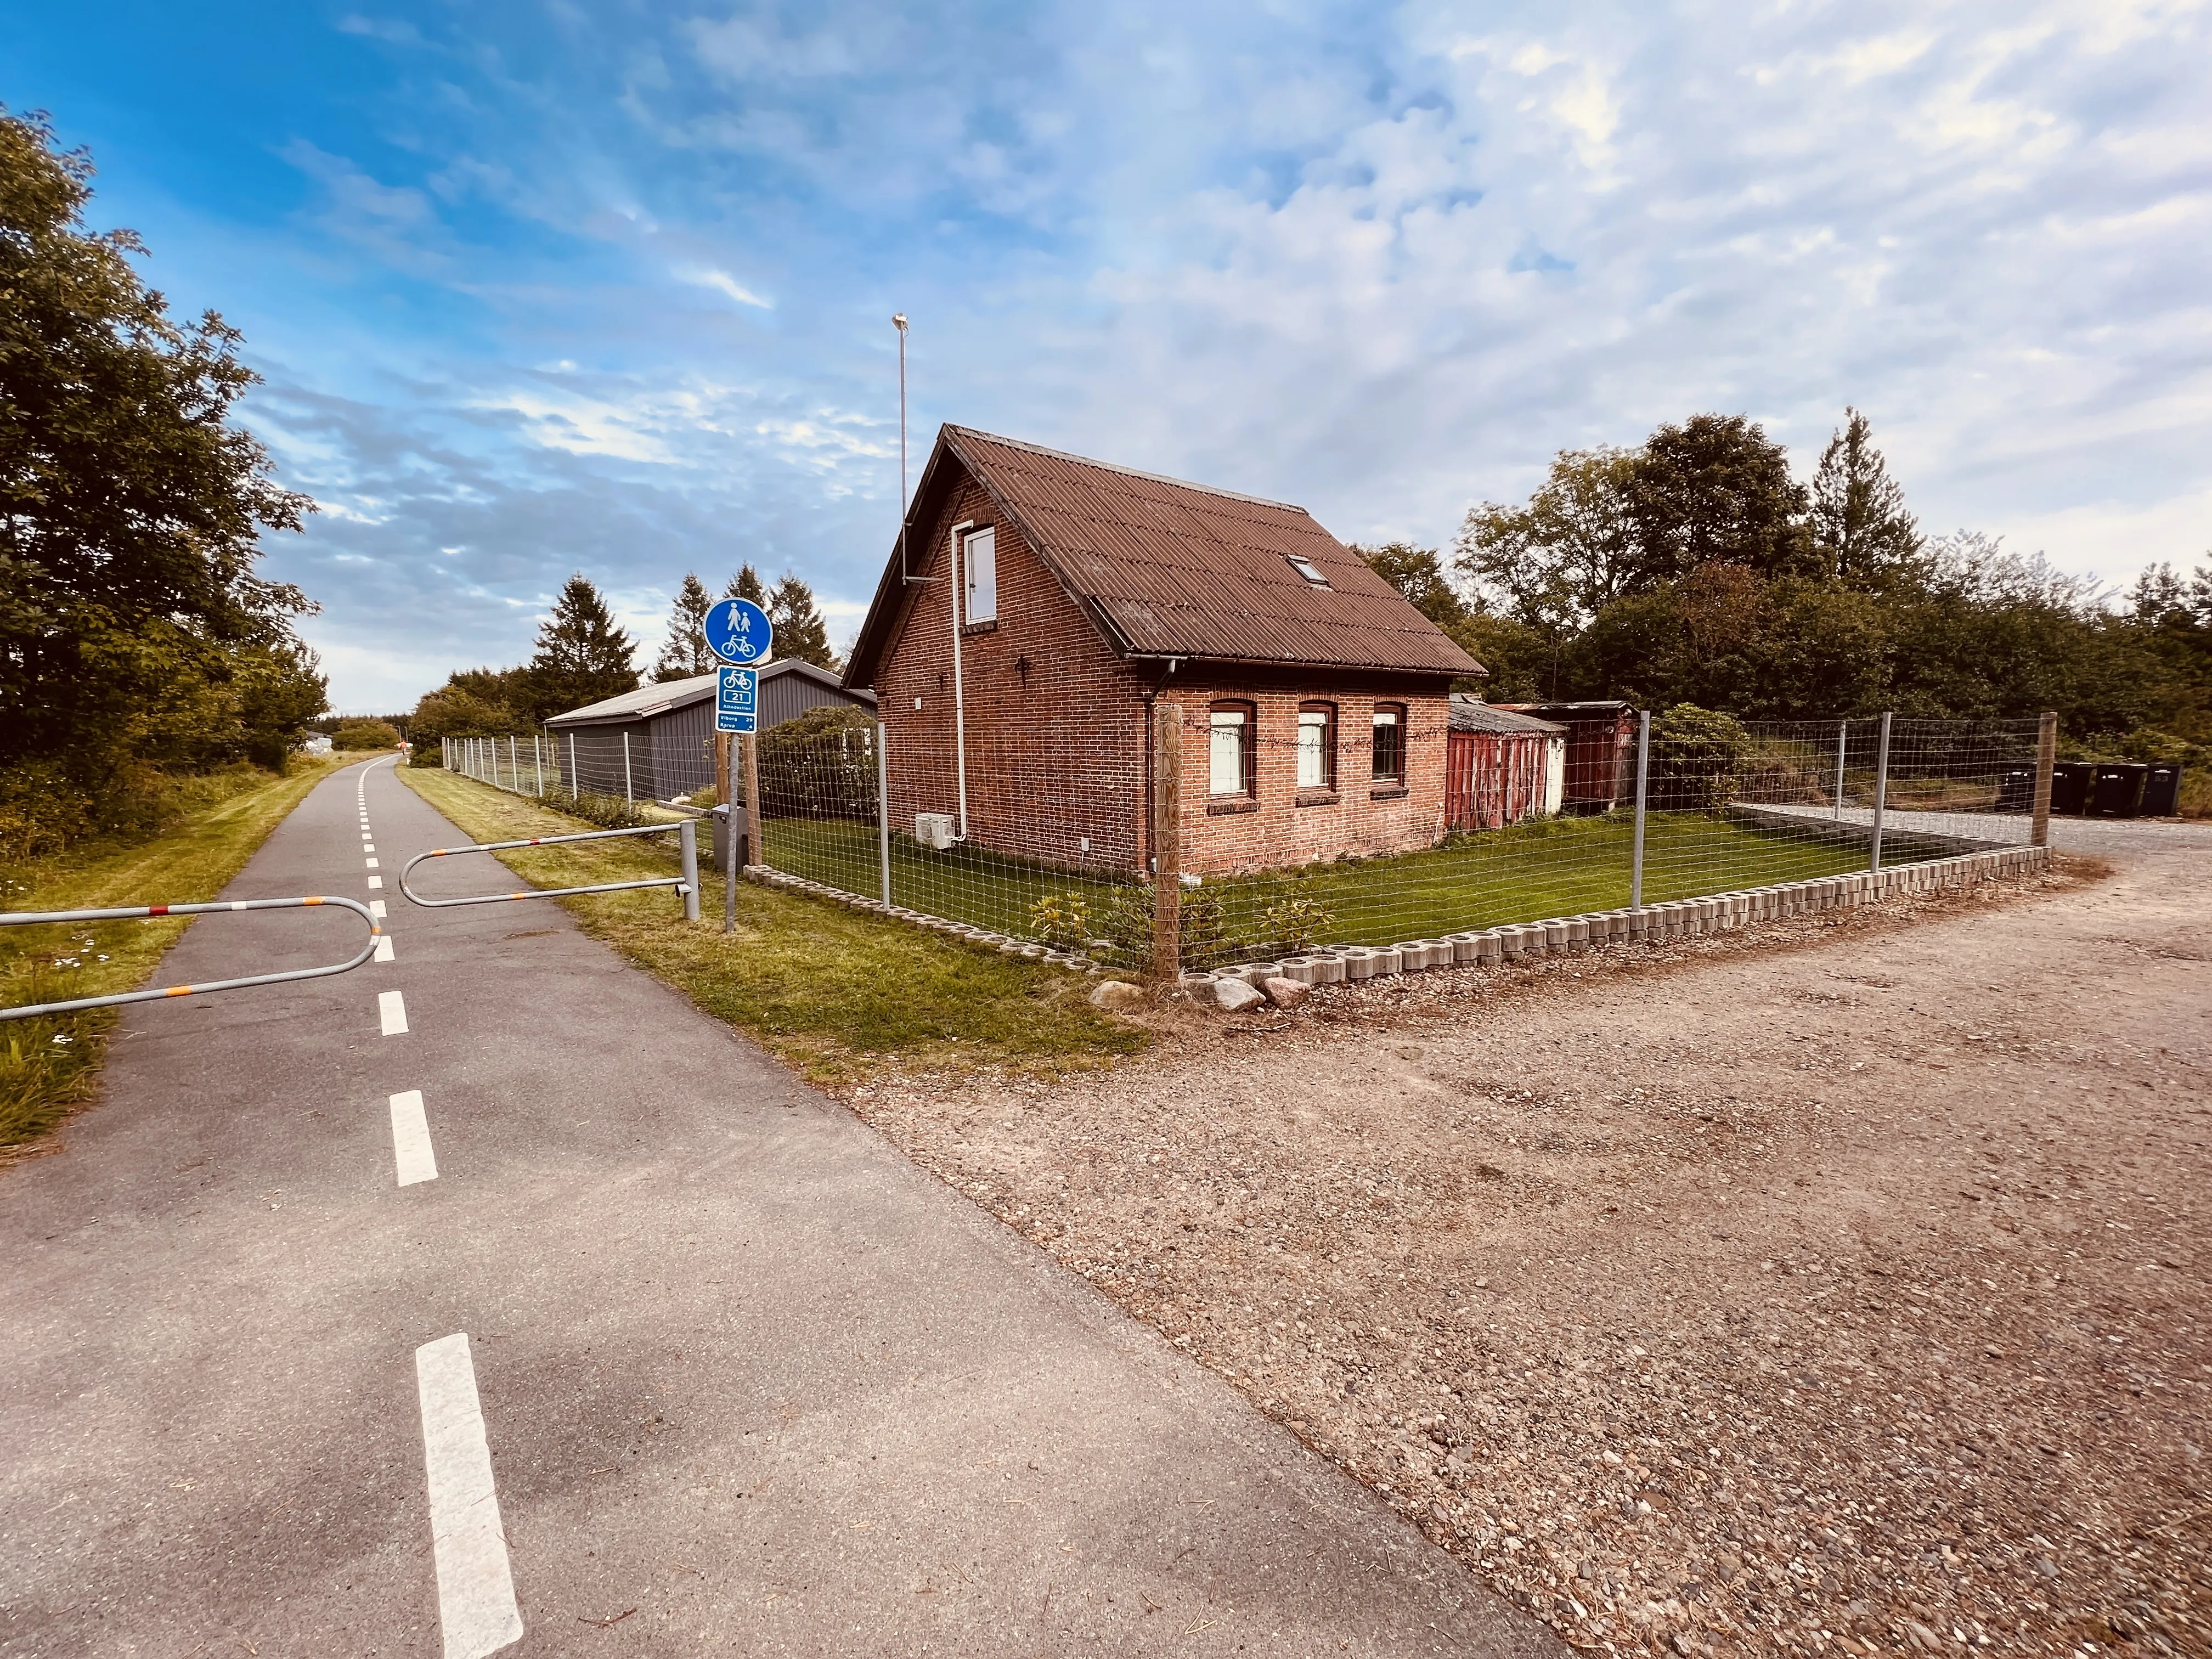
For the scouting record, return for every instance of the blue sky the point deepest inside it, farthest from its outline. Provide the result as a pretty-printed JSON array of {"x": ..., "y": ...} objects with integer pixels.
[{"x": 542, "y": 288}]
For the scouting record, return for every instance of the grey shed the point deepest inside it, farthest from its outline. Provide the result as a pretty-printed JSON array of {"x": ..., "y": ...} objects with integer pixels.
[{"x": 670, "y": 726}]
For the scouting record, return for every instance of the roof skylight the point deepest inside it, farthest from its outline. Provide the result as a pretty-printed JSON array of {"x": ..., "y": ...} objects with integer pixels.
[{"x": 1307, "y": 568}]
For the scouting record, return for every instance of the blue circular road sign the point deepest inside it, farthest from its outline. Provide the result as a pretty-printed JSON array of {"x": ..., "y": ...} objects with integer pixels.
[{"x": 737, "y": 631}]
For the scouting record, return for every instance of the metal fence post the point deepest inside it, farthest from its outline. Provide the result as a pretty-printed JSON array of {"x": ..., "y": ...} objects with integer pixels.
[
  {"x": 514, "y": 765},
  {"x": 1643, "y": 782},
  {"x": 628, "y": 794},
  {"x": 1880, "y": 789},
  {"x": 1843, "y": 741},
  {"x": 687, "y": 836},
  {"x": 572, "y": 783},
  {"x": 884, "y": 813},
  {"x": 537, "y": 763},
  {"x": 755, "y": 808},
  {"x": 1167, "y": 840},
  {"x": 2046, "y": 756}
]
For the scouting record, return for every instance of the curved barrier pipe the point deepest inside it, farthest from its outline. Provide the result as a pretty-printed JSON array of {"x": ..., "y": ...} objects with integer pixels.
[
  {"x": 147, "y": 912},
  {"x": 686, "y": 884}
]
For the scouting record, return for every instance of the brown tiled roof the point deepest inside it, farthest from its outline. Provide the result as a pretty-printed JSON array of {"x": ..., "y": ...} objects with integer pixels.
[{"x": 1171, "y": 570}]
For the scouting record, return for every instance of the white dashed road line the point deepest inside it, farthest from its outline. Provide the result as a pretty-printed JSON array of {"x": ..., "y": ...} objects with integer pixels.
[
  {"x": 410, "y": 1139},
  {"x": 372, "y": 863},
  {"x": 376, "y": 882},
  {"x": 376, "y": 908},
  {"x": 391, "y": 1010},
  {"x": 476, "y": 1590},
  {"x": 384, "y": 947}
]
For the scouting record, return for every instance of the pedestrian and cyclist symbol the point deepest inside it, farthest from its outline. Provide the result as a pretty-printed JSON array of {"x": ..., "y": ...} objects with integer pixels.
[
  {"x": 737, "y": 631},
  {"x": 737, "y": 699}
]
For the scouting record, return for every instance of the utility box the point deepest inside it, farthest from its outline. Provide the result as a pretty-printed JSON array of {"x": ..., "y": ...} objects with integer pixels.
[
  {"x": 934, "y": 830},
  {"x": 721, "y": 856},
  {"x": 2162, "y": 792},
  {"x": 2016, "y": 789}
]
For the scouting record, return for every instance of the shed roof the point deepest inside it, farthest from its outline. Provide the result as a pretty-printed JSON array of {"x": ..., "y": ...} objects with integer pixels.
[
  {"x": 664, "y": 694},
  {"x": 1473, "y": 715},
  {"x": 1165, "y": 569}
]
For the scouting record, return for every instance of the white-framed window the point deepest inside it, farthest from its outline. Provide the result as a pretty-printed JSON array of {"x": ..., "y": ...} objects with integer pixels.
[
  {"x": 979, "y": 567},
  {"x": 1232, "y": 756},
  {"x": 1389, "y": 743},
  {"x": 1316, "y": 746},
  {"x": 1307, "y": 568}
]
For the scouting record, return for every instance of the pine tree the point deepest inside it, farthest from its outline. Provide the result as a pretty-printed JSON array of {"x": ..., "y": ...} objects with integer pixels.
[
  {"x": 582, "y": 657},
  {"x": 746, "y": 585},
  {"x": 800, "y": 632},
  {"x": 1859, "y": 520},
  {"x": 685, "y": 654}
]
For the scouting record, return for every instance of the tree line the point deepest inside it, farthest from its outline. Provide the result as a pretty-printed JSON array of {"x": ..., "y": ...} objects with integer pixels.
[
  {"x": 1696, "y": 568},
  {"x": 583, "y": 657},
  {"x": 137, "y": 640}
]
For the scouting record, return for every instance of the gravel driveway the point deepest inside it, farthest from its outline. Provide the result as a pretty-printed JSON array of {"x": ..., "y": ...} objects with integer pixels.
[{"x": 1833, "y": 1287}]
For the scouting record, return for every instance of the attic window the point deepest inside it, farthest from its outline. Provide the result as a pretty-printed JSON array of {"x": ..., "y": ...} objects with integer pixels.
[{"x": 1307, "y": 568}]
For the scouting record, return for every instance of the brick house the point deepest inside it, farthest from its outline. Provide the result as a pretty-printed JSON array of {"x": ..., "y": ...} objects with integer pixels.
[{"x": 1038, "y": 605}]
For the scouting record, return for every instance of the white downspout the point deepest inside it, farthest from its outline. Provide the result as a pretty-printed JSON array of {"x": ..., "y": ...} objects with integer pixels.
[{"x": 959, "y": 698}]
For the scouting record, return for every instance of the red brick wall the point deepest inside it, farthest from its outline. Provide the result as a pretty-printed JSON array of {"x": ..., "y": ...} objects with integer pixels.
[
  {"x": 1283, "y": 826},
  {"x": 1055, "y": 720},
  {"x": 1058, "y": 746}
]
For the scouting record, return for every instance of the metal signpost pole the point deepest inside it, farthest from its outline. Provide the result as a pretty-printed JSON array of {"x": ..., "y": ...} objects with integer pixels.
[
  {"x": 687, "y": 836},
  {"x": 884, "y": 813},
  {"x": 1880, "y": 789},
  {"x": 1643, "y": 781},
  {"x": 726, "y": 831},
  {"x": 1843, "y": 737}
]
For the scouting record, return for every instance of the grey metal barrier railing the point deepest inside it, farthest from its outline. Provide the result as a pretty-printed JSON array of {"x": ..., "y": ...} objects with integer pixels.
[
  {"x": 687, "y": 884},
  {"x": 147, "y": 912}
]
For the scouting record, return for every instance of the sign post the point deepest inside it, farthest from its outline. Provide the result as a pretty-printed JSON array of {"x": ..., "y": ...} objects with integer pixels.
[{"x": 740, "y": 636}]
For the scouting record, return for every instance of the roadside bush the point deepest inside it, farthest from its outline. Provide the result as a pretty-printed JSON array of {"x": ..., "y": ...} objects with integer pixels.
[
  {"x": 44, "y": 811},
  {"x": 366, "y": 734},
  {"x": 820, "y": 765},
  {"x": 608, "y": 811}
]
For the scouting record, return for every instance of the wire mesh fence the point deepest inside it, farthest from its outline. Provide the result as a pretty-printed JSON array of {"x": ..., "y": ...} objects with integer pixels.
[
  {"x": 1344, "y": 828},
  {"x": 613, "y": 764}
]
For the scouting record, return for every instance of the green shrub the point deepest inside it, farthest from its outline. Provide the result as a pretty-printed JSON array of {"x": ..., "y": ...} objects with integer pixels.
[
  {"x": 1293, "y": 926},
  {"x": 608, "y": 811},
  {"x": 366, "y": 734},
  {"x": 1062, "y": 921},
  {"x": 1125, "y": 928}
]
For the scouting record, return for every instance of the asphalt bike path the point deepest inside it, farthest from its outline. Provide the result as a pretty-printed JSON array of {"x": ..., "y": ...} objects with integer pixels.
[{"x": 529, "y": 1309}]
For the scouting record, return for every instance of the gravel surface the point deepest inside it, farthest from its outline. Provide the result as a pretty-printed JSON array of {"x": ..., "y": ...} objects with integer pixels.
[{"x": 1837, "y": 1287}]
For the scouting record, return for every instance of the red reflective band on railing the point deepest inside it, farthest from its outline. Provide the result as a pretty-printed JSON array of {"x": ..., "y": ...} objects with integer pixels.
[{"x": 157, "y": 910}]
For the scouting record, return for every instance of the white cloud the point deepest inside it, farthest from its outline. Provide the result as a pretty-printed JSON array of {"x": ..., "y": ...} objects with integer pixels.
[{"x": 723, "y": 283}]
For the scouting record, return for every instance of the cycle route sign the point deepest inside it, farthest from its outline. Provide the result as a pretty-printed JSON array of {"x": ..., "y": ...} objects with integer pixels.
[{"x": 737, "y": 631}]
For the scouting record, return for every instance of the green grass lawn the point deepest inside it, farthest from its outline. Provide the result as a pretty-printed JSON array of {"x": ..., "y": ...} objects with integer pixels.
[
  {"x": 828, "y": 991},
  {"x": 47, "y": 1065},
  {"x": 1550, "y": 868}
]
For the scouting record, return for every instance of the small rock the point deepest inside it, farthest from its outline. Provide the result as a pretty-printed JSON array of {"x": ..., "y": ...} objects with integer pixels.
[
  {"x": 1116, "y": 993},
  {"x": 1489, "y": 1172},
  {"x": 1235, "y": 995},
  {"x": 1285, "y": 992}
]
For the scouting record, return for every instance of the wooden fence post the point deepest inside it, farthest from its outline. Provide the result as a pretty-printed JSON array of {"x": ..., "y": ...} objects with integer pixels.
[
  {"x": 2046, "y": 756},
  {"x": 1167, "y": 842}
]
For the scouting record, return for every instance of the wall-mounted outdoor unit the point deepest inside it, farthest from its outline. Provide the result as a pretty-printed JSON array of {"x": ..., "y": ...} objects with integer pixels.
[{"x": 933, "y": 830}]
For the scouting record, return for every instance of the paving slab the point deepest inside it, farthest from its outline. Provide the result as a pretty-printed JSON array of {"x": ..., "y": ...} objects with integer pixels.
[{"x": 747, "y": 1380}]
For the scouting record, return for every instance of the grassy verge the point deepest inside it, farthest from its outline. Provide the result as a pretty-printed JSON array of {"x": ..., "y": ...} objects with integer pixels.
[
  {"x": 47, "y": 1066},
  {"x": 1547, "y": 868},
  {"x": 831, "y": 993}
]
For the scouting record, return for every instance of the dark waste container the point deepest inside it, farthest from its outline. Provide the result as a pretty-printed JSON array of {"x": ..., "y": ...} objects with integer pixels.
[
  {"x": 2016, "y": 789},
  {"x": 2117, "y": 791},
  {"x": 2069, "y": 787},
  {"x": 2162, "y": 792}
]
